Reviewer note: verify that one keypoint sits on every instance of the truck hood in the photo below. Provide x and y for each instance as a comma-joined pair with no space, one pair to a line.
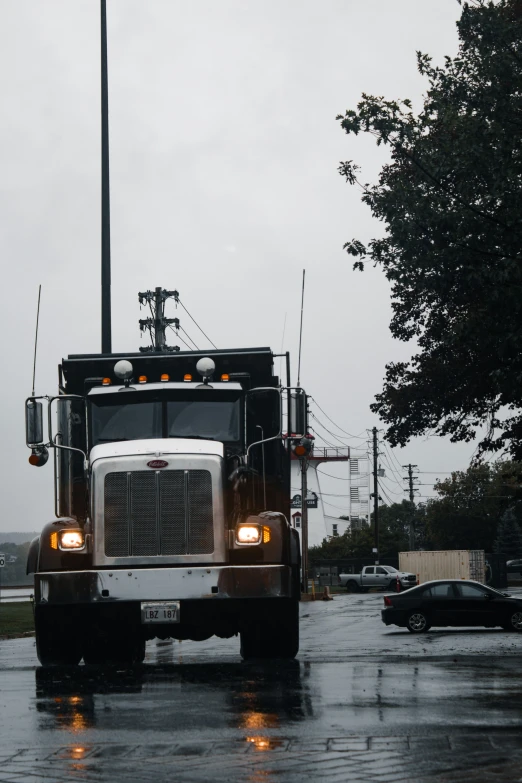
156,447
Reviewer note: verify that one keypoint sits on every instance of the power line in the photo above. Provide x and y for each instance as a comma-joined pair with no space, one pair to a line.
178,300
356,437
328,431
189,337
180,338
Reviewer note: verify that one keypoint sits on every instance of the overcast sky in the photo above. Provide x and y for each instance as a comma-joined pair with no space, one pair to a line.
224,185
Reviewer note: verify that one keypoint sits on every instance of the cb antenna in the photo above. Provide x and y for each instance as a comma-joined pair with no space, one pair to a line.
36,335
301,333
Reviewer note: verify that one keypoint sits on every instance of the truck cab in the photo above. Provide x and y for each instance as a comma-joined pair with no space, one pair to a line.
172,494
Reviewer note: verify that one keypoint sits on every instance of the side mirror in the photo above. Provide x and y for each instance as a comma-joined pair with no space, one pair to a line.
33,423
297,424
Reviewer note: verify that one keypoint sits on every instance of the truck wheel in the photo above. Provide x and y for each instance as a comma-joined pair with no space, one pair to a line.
417,622
352,586
57,642
272,631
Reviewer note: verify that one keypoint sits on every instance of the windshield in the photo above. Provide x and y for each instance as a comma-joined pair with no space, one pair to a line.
126,422
112,420
391,569
216,420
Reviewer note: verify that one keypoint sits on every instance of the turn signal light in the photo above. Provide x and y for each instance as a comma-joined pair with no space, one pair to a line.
71,539
225,376
266,534
300,450
142,379
165,377
187,377
53,540
106,382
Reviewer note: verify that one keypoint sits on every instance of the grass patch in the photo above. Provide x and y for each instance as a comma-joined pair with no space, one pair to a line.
16,618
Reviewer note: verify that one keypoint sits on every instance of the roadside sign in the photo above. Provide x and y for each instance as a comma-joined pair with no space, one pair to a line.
2,560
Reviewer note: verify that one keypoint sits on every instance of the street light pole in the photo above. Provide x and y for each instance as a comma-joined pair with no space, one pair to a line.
263,462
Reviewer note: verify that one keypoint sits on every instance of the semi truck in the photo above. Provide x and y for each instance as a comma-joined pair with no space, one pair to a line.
172,501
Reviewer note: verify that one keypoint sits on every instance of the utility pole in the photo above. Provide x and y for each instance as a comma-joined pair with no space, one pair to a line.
106,330
157,324
304,522
410,478
375,496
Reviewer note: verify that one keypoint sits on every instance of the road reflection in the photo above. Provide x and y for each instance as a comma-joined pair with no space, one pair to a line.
256,698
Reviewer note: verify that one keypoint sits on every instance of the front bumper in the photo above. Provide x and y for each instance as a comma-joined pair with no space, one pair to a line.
162,584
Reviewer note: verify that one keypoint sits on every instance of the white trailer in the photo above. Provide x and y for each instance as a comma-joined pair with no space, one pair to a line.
445,564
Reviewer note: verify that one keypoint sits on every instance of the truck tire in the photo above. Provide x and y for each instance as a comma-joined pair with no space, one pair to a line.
272,631
417,622
57,640
352,586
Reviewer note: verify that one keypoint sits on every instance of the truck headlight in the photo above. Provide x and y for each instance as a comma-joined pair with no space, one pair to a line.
71,539
248,533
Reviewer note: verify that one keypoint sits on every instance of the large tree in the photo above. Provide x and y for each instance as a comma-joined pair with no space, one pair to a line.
470,505
450,201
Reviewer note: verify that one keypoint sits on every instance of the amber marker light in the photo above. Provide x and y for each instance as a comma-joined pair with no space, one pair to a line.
187,377
165,377
266,534
248,534
142,379
299,450
72,539
53,540
225,376
106,382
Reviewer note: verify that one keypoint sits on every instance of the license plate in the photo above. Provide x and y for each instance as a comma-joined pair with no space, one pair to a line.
160,612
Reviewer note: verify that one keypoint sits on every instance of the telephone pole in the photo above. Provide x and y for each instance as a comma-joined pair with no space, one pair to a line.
157,324
375,495
106,338
410,478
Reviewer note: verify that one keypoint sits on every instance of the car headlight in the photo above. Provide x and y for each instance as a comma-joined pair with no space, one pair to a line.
71,539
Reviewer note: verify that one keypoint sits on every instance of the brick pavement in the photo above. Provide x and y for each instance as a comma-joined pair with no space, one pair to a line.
473,757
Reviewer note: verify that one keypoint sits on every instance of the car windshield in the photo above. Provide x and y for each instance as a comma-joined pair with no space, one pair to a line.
391,569
112,420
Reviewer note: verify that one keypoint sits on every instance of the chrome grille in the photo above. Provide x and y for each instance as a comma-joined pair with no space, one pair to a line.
150,513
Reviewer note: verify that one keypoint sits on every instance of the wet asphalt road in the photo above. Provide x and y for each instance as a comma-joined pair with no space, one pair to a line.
362,703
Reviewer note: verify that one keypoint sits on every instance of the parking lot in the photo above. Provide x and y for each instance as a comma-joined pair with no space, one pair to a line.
362,702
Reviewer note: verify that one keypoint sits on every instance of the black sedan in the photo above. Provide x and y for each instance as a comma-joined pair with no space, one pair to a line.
452,602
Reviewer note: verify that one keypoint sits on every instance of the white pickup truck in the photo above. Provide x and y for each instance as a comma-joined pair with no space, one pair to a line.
382,576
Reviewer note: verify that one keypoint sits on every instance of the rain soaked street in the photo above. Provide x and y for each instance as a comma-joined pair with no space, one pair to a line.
363,702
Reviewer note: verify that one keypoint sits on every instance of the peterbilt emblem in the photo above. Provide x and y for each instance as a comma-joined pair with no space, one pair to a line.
157,463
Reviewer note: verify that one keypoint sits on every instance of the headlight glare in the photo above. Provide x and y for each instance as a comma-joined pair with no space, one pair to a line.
248,534
71,539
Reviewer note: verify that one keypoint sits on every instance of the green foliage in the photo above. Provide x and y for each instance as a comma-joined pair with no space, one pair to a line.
16,618
450,202
509,535
357,543
470,505
394,524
